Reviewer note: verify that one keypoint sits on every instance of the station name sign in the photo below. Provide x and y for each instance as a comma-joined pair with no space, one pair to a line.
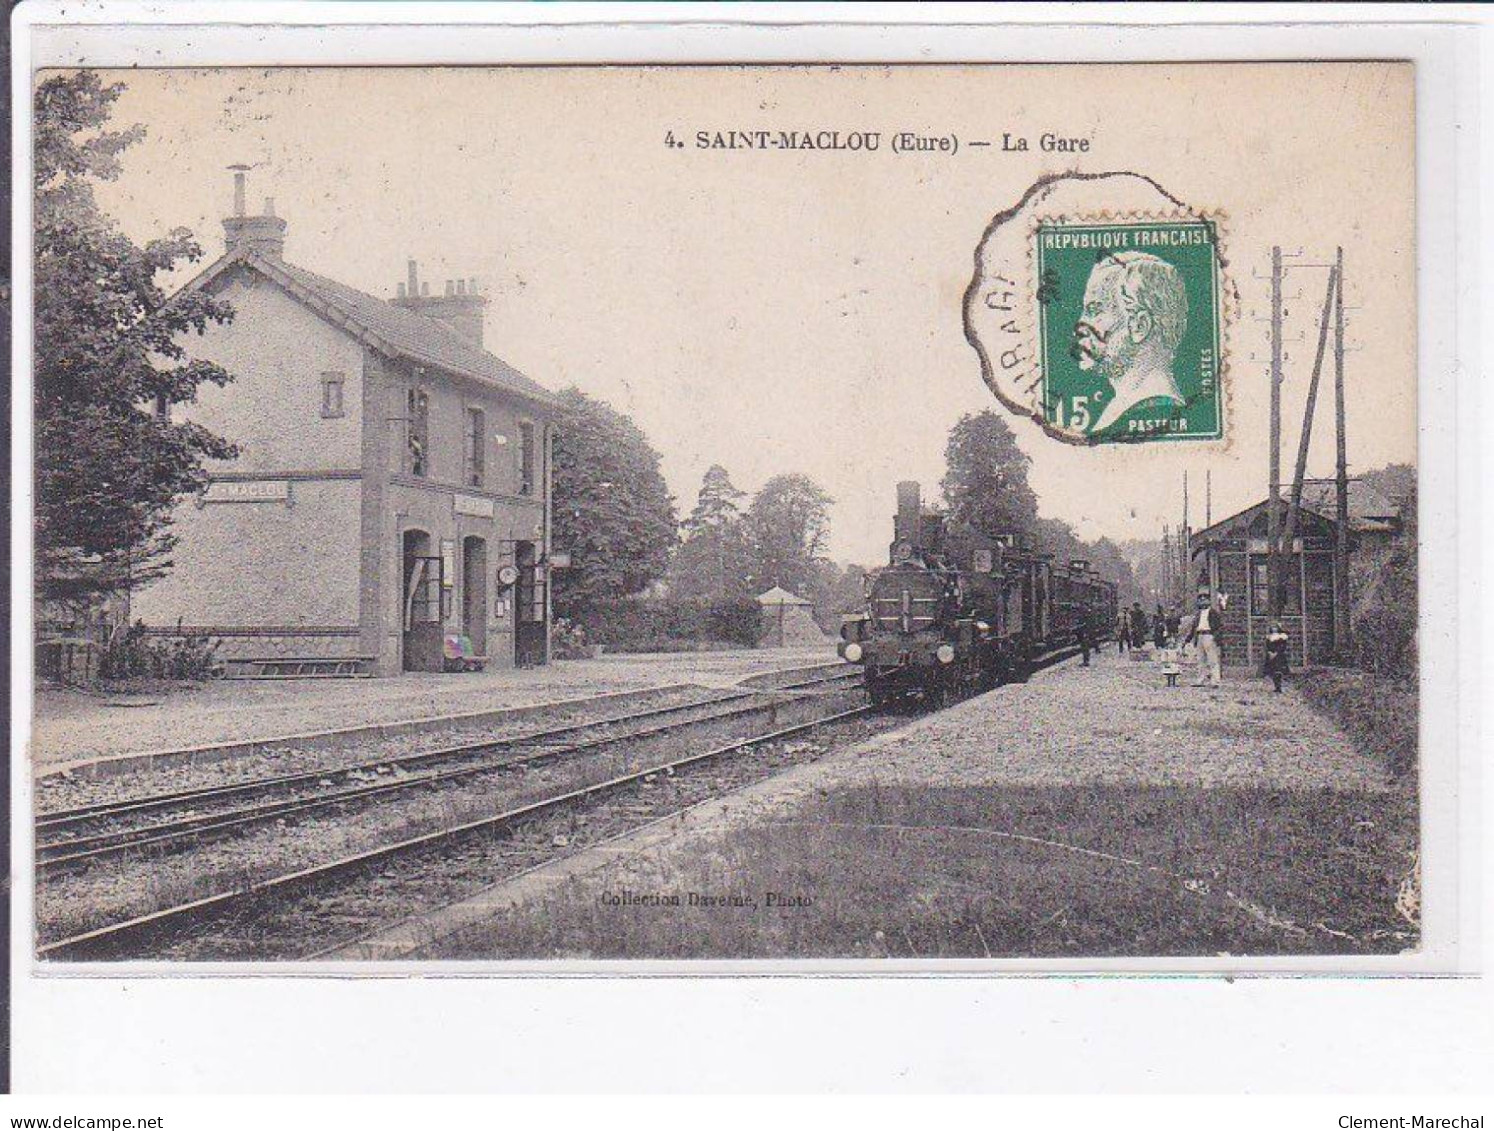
248,491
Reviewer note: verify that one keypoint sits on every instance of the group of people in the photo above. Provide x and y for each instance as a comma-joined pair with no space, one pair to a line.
1133,628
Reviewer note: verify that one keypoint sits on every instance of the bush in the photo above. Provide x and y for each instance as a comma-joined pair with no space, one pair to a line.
134,654
655,625
568,641
1383,584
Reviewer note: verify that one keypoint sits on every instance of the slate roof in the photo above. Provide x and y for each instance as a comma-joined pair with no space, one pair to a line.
389,328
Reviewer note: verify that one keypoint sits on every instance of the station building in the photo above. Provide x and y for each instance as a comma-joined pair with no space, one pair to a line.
392,491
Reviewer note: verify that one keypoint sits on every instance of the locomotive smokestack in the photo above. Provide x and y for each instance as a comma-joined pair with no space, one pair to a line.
909,508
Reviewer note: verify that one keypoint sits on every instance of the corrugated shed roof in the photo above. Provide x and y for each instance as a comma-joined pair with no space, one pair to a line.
417,337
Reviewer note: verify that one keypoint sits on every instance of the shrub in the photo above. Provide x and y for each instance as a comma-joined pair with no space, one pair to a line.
133,654
568,641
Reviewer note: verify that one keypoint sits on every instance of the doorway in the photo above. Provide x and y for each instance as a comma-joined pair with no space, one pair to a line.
420,604
475,593
529,608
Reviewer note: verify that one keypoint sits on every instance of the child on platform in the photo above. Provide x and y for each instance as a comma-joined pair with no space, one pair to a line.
1278,653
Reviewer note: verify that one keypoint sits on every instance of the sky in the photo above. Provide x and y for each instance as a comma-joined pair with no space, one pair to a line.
777,311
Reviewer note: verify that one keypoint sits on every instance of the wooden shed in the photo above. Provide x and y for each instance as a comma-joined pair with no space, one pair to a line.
1230,559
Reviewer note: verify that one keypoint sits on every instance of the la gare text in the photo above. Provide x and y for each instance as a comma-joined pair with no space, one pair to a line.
872,141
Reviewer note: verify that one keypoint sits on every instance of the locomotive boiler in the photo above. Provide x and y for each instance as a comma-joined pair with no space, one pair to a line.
958,611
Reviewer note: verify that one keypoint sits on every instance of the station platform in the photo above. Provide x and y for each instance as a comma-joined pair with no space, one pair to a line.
72,725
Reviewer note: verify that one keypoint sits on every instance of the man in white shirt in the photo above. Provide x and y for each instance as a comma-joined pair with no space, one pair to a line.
1206,630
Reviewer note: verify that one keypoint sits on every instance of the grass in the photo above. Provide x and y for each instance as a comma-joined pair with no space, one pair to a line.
1379,713
929,872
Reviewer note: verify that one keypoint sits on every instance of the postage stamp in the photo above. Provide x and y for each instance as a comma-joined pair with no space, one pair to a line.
1129,329
1101,309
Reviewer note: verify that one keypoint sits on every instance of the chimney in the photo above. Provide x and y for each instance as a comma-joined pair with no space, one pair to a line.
460,307
264,234
909,506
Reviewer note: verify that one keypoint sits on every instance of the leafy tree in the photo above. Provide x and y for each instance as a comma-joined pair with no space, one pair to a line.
985,480
713,561
788,526
110,464
612,510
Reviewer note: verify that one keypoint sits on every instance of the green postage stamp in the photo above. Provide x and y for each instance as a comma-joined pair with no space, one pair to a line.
1129,329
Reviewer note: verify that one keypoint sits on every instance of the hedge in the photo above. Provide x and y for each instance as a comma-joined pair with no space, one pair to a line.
661,625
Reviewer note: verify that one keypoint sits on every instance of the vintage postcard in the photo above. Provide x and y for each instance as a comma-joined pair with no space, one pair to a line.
896,517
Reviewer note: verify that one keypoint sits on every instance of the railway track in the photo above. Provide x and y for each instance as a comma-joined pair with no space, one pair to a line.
238,912
78,837
325,907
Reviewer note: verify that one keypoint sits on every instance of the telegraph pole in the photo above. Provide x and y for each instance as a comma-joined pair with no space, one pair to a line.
1343,624
1166,582
1184,546
1294,510
1273,506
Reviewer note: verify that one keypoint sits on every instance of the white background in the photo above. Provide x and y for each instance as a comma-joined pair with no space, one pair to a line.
396,1033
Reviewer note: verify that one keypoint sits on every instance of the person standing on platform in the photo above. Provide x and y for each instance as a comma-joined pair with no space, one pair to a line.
1086,637
1123,631
1207,629
1138,625
1159,629
1278,653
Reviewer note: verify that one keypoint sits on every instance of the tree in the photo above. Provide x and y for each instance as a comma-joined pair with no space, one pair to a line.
713,561
716,504
110,464
612,509
985,480
1111,564
788,527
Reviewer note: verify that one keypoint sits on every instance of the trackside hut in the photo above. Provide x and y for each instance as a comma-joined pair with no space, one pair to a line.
1230,558
393,483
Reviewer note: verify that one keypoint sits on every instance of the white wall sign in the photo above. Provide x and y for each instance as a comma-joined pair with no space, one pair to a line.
473,505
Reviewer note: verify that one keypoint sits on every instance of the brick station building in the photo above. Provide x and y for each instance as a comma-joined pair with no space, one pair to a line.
1230,558
393,482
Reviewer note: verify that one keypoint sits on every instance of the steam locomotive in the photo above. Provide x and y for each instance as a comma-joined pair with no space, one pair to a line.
957,611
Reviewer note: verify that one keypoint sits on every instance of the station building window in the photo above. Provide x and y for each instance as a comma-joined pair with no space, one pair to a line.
417,431
332,387
526,458
473,453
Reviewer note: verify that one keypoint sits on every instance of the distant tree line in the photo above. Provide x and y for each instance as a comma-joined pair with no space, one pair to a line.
615,515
